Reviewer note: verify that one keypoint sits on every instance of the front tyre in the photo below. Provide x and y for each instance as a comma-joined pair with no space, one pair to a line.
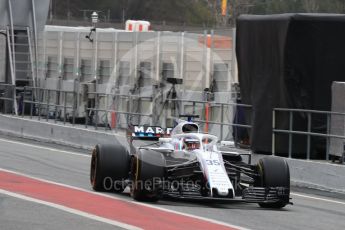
274,172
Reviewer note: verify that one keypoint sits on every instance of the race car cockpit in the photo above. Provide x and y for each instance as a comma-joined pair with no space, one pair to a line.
191,144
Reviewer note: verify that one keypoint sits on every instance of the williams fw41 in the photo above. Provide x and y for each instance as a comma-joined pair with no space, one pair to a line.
187,164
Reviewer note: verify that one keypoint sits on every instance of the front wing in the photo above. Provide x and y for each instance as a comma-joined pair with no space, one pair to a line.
250,195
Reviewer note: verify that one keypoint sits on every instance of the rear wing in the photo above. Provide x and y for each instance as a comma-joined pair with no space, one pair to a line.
144,132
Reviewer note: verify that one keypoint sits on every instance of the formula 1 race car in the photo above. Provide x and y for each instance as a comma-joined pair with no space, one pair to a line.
188,164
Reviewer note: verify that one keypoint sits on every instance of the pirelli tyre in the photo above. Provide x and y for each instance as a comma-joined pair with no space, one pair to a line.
109,168
147,169
274,172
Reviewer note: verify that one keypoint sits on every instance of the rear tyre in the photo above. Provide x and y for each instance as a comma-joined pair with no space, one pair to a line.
147,169
109,168
274,172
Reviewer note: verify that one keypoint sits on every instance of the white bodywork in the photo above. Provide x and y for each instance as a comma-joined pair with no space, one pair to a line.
207,153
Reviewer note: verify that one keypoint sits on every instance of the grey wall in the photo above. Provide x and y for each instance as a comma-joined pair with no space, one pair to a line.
54,133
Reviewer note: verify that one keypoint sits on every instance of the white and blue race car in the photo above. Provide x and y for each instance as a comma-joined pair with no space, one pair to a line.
188,164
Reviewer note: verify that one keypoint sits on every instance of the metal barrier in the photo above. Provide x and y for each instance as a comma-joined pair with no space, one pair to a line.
194,103
43,103
97,109
307,133
52,104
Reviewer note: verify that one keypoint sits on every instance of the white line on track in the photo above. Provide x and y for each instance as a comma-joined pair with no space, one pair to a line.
45,148
125,200
70,210
318,198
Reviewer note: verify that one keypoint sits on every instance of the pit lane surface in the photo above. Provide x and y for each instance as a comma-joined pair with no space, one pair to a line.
71,167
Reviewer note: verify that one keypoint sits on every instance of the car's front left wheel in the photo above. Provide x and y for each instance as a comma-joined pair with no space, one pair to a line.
274,173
